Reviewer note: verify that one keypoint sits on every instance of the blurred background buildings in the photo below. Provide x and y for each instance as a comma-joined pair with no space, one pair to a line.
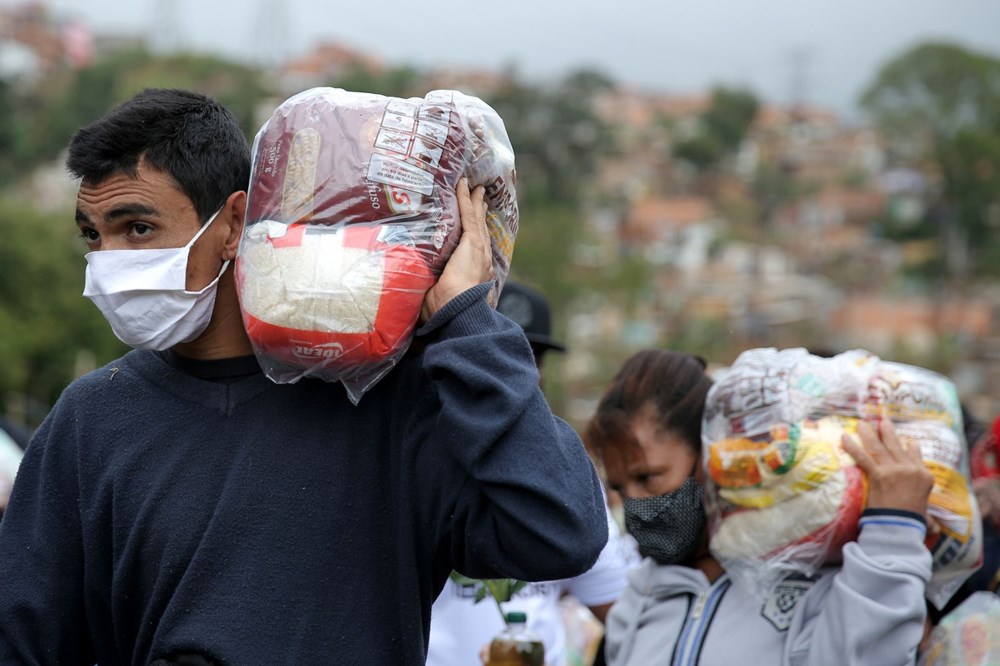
711,222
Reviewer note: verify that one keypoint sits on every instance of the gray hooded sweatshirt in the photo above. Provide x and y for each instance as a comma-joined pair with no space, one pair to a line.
867,612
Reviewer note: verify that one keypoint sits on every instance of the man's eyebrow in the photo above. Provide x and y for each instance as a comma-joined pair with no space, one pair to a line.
125,210
128,210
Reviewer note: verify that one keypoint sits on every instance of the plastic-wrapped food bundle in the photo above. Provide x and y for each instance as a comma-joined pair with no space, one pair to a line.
783,497
351,217
968,635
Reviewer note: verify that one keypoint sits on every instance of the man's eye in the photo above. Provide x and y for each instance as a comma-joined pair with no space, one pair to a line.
90,235
141,229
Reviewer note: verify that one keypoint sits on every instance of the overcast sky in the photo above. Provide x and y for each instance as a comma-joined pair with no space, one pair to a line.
825,52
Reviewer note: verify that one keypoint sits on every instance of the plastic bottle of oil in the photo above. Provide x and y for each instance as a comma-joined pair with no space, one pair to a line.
516,645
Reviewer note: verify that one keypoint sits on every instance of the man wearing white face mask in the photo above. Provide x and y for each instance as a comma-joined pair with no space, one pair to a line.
178,507
147,301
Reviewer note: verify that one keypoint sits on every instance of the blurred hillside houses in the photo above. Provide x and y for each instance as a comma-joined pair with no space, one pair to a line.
788,229
785,248
34,43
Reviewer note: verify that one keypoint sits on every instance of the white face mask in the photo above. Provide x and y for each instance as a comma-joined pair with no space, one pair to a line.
142,294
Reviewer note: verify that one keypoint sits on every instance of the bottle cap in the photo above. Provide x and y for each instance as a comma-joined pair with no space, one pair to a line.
518,617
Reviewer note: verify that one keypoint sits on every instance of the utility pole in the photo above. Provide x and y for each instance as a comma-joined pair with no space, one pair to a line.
270,39
165,32
799,61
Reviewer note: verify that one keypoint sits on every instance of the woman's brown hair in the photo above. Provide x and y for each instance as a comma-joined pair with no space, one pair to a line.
668,385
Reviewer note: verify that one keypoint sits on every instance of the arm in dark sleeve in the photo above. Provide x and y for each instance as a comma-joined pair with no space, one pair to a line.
42,617
532,507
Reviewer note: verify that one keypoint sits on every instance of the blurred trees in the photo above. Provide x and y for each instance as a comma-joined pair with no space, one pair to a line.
557,134
933,91
9,142
938,105
394,82
47,114
48,328
721,128
559,140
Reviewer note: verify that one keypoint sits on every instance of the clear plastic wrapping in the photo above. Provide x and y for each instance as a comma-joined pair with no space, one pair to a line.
783,497
968,635
351,217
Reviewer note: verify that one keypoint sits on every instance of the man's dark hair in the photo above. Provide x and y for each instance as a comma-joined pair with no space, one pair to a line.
190,137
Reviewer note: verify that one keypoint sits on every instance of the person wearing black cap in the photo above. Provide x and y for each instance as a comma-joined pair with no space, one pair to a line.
460,627
526,307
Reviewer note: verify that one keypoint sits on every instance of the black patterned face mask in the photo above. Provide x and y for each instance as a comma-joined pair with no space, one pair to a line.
668,527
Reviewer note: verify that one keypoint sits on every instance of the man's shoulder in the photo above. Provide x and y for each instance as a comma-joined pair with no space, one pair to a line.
123,369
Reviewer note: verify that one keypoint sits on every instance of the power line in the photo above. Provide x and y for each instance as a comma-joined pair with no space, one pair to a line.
270,39
165,32
800,62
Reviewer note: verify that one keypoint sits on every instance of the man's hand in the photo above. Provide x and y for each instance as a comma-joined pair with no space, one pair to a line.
897,477
472,261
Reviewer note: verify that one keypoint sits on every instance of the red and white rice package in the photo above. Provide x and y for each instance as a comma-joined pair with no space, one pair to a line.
351,217
782,495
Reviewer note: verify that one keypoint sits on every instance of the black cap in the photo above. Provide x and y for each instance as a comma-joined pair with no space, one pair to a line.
528,308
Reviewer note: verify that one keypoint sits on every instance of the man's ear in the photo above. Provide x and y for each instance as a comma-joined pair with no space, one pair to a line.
233,213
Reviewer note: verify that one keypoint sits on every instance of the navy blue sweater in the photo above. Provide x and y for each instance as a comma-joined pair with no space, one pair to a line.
158,514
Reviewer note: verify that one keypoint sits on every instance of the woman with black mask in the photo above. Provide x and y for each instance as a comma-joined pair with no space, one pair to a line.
680,606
